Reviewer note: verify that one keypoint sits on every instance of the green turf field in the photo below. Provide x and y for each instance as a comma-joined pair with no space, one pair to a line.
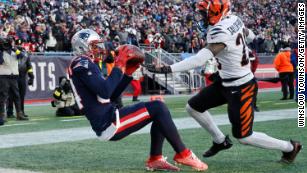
128,155
42,117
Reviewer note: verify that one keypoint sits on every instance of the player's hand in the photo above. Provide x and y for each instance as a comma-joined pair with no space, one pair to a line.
30,81
162,70
128,56
131,69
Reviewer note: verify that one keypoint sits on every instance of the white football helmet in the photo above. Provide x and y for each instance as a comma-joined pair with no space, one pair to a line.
87,42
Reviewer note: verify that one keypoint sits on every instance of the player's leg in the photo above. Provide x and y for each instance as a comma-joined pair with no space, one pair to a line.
197,107
137,116
241,115
132,119
162,117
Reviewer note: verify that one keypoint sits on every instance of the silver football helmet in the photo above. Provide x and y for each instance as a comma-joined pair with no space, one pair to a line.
87,42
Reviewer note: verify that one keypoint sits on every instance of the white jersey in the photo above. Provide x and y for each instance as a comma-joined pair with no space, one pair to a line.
233,61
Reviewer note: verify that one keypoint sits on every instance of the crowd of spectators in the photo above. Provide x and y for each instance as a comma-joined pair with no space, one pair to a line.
48,25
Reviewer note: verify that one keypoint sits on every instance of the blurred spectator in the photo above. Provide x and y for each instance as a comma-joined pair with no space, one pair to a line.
64,99
284,67
25,77
54,22
9,79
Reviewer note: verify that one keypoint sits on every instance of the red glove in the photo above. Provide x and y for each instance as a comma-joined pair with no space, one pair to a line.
131,69
129,58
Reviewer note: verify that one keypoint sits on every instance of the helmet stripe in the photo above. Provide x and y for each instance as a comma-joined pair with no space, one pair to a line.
211,2
222,6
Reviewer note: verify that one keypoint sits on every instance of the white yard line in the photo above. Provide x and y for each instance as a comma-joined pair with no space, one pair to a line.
77,134
20,124
70,120
5,170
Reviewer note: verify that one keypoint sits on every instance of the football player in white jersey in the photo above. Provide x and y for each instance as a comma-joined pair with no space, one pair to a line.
227,40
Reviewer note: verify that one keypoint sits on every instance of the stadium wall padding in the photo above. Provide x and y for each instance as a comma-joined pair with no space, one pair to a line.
48,69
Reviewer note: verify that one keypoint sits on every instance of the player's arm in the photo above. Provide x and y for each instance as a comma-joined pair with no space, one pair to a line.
192,62
249,35
125,81
96,83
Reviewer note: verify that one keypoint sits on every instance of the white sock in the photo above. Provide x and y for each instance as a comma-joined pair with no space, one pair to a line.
262,140
206,121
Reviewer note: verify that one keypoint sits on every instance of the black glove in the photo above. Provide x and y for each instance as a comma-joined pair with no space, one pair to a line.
30,81
154,69
31,78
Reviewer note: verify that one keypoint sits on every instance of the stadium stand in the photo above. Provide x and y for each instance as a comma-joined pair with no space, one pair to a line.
48,25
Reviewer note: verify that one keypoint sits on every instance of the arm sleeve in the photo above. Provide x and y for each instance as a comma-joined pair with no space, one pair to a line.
96,83
251,36
197,60
121,87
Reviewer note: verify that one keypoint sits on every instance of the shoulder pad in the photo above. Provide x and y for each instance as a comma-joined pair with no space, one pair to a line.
217,34
80,62
216,30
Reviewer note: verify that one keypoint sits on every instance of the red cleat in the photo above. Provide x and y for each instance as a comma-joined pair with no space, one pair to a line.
191,160
160,165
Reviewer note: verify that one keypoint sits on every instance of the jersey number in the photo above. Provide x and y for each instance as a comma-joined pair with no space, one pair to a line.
241,40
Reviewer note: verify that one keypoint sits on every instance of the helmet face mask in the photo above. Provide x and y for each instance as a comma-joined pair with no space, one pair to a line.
97,49
88,42
211,11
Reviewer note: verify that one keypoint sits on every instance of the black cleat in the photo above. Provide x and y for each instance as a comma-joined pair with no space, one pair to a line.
215,148
290,156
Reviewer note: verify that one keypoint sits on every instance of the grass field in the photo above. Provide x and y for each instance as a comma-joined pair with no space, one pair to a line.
42,117
128,155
